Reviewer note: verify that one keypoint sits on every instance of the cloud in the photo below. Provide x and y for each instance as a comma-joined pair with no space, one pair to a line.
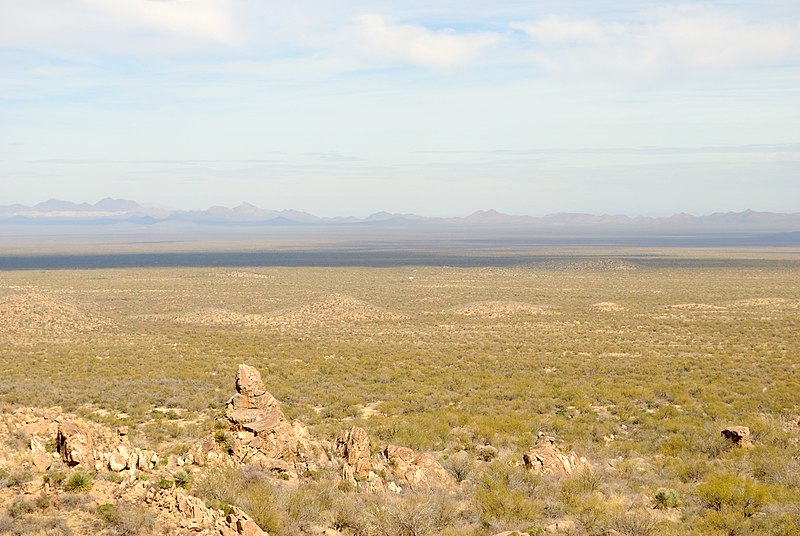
662,42
203,19
557,30
148,27
420,45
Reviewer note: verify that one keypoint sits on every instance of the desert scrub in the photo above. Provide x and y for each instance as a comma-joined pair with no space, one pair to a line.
499,495
727,492
664,499
183,479
56,475
460,465
413,515
251,490
78,482
20,506
127,519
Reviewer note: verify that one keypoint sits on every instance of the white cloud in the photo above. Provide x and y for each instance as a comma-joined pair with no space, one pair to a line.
556,30
160,27
662,42
203,19
420,45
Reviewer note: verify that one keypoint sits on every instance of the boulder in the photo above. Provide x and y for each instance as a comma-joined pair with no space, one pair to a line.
74,444
562,526
738,435
261,432
547,458
353,446
419,471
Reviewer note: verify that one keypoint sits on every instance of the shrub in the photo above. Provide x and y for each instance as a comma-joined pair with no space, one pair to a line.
499,498
126,519
487,453
223,439
78,482
727,491
665,498
165,483
460,465
55,476
43,502
19,477
634,524
183,479
20,506
249,489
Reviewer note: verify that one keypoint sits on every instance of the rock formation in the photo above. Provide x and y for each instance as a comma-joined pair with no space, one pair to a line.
547,458
195,516
353,446
74,443
417,471
261,432
738,435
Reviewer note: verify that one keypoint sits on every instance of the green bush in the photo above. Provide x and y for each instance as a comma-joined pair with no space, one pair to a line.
665,498
730,492
183,479
78,482
499,496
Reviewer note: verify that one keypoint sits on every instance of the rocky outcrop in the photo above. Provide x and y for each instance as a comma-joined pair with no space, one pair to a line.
417,471
261,432
396,468
353,447
738,435
195,516
547,458
75,445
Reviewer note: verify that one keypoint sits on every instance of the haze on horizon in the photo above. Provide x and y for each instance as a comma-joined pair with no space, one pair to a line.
610,106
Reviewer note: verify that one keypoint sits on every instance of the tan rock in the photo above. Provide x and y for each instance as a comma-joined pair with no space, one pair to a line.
353,446
561,526
38,444
74,443
249,528
258,422
738,435
117,462
418,471
395,454
547,458
42,461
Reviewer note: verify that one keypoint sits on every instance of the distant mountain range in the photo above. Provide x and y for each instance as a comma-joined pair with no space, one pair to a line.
113,211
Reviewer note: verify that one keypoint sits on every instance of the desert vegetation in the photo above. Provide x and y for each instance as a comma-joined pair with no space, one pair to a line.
633,364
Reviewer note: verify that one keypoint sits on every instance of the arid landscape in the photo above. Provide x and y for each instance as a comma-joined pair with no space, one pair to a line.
399,268
584,393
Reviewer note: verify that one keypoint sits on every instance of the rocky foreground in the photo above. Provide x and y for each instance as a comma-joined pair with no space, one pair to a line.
51,461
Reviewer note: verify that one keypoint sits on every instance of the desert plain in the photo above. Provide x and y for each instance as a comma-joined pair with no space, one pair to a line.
411,398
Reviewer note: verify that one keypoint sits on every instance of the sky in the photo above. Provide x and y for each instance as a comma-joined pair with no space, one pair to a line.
433,107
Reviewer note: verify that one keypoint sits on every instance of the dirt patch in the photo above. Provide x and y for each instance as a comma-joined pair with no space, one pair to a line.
496,309
335,309
695,307
38,314
608,307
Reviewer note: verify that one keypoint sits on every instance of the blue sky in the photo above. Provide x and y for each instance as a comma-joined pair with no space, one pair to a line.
436,107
